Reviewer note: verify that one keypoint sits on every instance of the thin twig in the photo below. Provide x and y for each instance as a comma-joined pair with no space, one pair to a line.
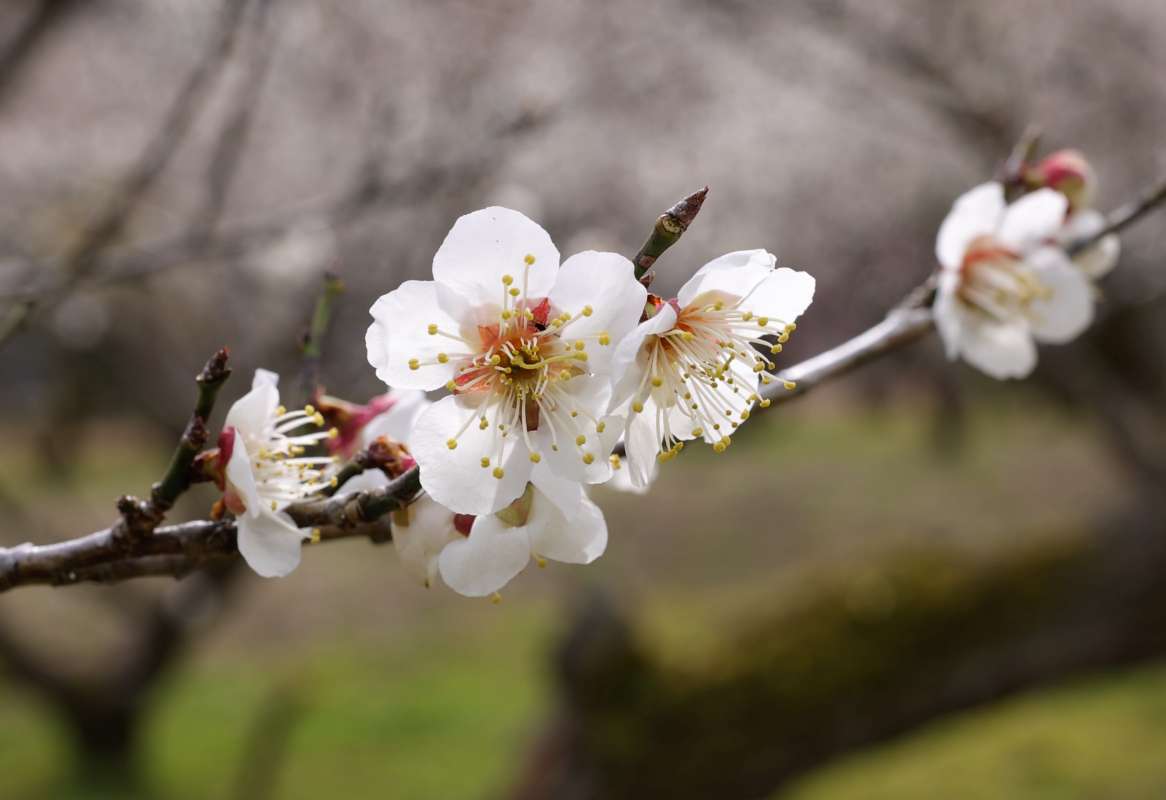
1125,216
312,342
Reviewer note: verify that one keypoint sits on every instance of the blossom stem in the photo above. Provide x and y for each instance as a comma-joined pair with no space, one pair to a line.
1125,216
670,226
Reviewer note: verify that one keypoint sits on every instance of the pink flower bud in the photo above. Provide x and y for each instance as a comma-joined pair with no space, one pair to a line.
1067,172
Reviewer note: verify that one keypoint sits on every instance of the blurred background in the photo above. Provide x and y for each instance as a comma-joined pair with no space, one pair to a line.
913,581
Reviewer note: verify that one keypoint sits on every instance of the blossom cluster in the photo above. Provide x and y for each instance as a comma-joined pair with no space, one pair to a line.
548,371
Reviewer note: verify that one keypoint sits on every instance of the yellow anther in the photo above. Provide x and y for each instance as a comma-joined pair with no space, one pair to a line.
535,458
432,329
529,259
758,367
748,315
495,360
451,444
451,385
588,458
574,414
495,598
414,364
763,321
790,385
775,349
638,407
318,419
580,440
273,505
791,327
333,433
587,311
507,314
600,427
745,414
442,358
315,536
657,382
581,356
334,482
688,336
604,339
719,305
485,462
514,291
483,423
579,345
542,562
279,412
765,403
309,409
615,462
698,431
507,280
783,338
498,473
688,395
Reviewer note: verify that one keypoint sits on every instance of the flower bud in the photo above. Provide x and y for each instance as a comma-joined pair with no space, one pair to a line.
1067,172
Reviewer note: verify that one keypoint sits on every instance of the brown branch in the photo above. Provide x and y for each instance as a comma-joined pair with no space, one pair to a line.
1125,216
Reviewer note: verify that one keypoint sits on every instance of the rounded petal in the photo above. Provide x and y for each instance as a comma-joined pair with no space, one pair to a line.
400,335
269,543
251,413
621,478
562,492
485,245
783,295
242,478
643,445
396,423
977,212
574,536
455,478
487,559
1068,309
365,481
604,283
948,316
1102,257
630,360
734,273
420,533
999,349
1033,220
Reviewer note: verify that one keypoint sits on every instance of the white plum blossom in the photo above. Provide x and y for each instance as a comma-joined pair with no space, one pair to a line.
524,346
477,556
1003,285
266,469
692,369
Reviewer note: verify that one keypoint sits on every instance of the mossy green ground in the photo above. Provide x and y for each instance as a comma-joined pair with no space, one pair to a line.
405,693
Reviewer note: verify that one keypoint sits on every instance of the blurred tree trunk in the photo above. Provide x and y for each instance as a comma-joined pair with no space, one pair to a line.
860,656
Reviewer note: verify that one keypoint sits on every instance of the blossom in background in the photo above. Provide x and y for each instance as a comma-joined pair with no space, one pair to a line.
692,369
1068,172
524,347
1003,284
477,556
262,447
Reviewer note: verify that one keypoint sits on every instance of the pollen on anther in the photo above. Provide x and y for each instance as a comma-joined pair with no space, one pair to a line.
783,338
485,462
765,403
315,536
529,259
535,458
451,385
587,311
600,427
483,423
414,364
442,358
451,444
279,412
499,473
775,348
579,345
604,339
588,458
333,433
790,385
542,562
580,440
507,280
432,329
763,321
309,409
495,598
614,460
638,407
657,382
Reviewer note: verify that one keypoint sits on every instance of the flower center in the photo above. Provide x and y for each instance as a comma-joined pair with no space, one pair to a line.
997,281
699,372
518,369
283,473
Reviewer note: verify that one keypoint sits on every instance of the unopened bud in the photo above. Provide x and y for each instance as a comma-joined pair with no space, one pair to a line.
1068,172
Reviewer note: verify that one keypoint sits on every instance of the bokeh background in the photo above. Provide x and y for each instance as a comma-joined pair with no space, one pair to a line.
912,581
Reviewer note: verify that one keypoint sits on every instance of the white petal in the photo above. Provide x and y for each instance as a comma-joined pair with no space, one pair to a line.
1102,257
420,542
400,333
999,349
485,245
589,396
577,537
242,479
250,414
487,559
1033,220
269,543
621,479
562,492
784,295
733,273
396,423
948,316
976,213
643,445
606,282
365,481
455,478
630,361
1069,309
